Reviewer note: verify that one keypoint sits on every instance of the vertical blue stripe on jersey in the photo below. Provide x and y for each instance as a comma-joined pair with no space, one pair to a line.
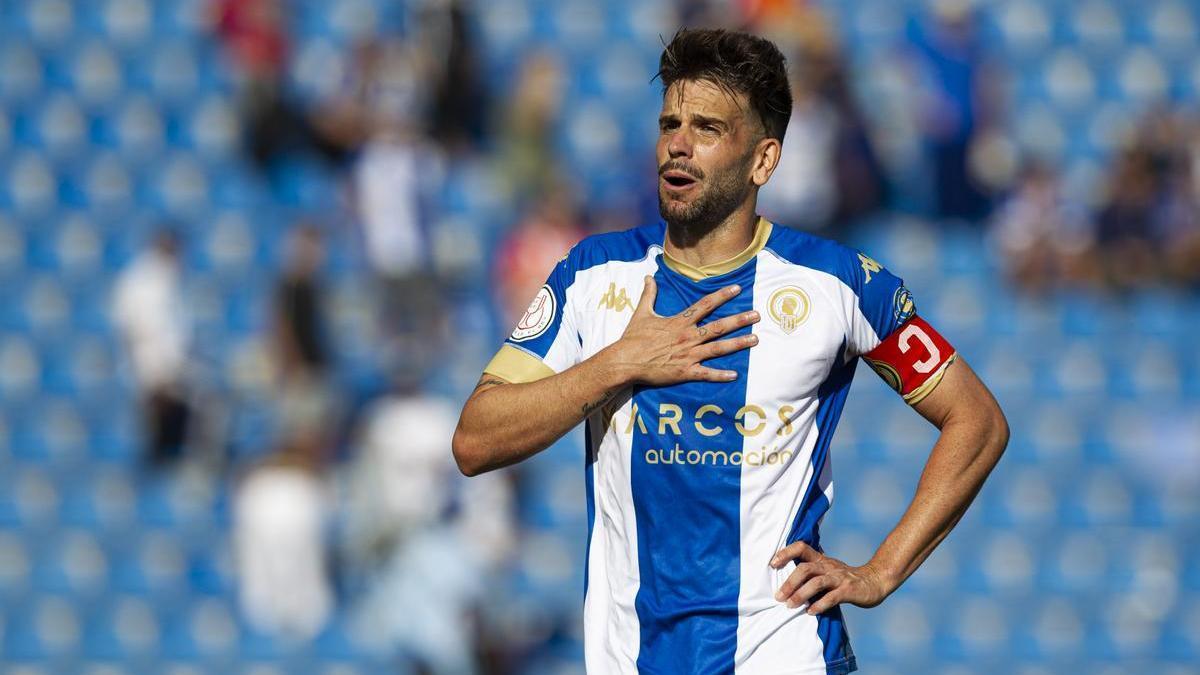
688,520
831,397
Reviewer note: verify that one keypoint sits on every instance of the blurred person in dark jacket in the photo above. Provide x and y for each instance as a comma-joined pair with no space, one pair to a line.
305,399
254,33
1124,229
1148,223
960,109
282,505
459,105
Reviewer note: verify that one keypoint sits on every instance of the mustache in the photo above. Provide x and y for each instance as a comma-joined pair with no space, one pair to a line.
679,165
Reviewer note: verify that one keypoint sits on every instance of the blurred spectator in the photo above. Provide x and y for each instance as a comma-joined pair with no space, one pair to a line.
528,253
280,512
282,506
1148,225
395,176
829,174
1124,222
422,550
960,108
385,95
149,312
392,181
299,306
1180,228
306,401
527,156
1045,240
255,35
1171,141
459,109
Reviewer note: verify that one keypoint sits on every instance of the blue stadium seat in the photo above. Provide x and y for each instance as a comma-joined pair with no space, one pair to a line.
21,73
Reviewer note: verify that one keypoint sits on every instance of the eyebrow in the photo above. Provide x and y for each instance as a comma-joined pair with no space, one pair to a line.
697,119
715,121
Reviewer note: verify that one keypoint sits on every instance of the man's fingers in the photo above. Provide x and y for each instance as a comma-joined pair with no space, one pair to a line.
798,577
712,350
646,302
705,306
795,551
826,603
703,374
811,589
727,325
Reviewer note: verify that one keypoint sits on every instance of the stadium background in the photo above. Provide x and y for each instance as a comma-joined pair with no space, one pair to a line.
121,117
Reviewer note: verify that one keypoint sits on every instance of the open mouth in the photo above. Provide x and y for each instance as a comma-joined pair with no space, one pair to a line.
678,179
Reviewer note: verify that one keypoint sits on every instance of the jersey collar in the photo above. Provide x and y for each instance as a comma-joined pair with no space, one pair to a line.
762,232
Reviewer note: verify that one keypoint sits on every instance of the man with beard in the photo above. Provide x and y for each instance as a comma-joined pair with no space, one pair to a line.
710,402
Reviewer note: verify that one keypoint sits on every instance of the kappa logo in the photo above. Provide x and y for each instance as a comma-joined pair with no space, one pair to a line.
789,307
869,266
538,316
615,299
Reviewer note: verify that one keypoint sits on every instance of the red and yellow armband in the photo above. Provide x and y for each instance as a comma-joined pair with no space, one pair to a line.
912,359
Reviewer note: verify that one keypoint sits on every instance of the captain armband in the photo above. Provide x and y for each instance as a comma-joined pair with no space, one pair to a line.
912,359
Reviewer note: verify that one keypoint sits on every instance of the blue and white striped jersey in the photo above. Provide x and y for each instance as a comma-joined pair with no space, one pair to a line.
692,488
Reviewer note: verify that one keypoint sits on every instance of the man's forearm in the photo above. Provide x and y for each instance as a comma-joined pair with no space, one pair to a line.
502,425
964,455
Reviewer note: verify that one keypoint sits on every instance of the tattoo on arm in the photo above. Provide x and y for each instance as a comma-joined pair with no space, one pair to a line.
588,408
489,381
687,313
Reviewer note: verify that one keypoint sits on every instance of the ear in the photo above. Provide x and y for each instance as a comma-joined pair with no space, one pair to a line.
766,158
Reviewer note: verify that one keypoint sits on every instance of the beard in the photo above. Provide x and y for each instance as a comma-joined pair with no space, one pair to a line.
720,196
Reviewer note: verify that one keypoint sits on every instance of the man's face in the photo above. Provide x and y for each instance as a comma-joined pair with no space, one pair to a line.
705,149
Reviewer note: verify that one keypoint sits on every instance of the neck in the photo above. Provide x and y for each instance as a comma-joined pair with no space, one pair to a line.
725,240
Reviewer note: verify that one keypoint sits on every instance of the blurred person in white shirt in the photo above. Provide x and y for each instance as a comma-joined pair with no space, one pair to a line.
150,315
281,510
421,548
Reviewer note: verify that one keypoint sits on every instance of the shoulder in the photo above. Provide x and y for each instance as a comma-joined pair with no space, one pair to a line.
624,246
848,265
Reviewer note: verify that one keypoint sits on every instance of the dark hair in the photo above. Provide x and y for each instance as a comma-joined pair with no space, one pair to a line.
736,62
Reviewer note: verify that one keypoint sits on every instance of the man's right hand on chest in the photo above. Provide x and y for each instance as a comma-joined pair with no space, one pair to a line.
662,350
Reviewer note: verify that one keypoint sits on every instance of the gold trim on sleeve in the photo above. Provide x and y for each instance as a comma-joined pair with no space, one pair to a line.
762,232
917,395
517,366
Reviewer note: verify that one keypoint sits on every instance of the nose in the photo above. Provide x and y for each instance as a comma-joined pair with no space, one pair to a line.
680,144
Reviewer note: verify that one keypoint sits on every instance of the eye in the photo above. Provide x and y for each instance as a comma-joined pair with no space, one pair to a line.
668,125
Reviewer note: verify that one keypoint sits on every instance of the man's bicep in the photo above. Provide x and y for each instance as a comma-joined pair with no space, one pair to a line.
959,392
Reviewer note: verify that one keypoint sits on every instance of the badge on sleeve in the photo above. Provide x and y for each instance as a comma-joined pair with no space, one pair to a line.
537,317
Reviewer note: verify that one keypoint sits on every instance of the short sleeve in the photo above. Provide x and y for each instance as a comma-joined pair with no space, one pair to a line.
883,304
545,340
